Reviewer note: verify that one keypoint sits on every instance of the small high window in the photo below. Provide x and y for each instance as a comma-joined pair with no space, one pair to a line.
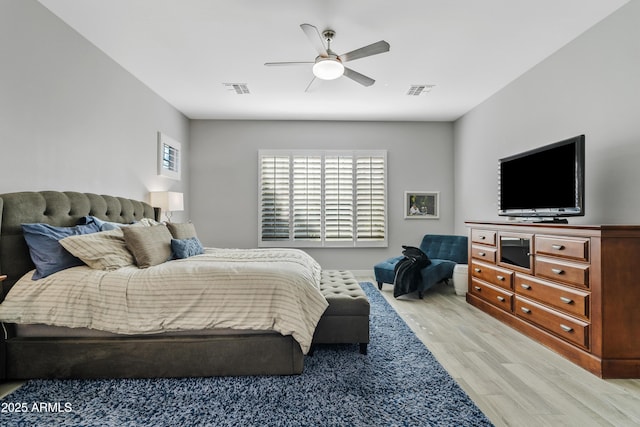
168,157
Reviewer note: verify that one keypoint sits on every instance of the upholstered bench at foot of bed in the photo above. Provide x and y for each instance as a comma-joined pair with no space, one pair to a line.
346,320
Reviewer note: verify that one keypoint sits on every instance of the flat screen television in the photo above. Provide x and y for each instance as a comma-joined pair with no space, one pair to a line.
545,183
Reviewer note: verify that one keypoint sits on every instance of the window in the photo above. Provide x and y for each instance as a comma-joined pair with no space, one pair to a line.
168,157
322,198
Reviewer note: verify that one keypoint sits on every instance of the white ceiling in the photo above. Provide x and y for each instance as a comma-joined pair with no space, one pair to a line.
185,50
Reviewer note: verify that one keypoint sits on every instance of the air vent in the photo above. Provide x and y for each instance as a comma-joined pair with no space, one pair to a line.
238,88
416,90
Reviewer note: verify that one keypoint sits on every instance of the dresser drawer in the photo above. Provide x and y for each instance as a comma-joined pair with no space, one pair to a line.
492,274
493,295
570,301
568,328
484,253
572,248
486,237
572,274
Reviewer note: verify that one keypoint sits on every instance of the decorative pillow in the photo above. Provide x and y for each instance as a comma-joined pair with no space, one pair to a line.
148,222
103,225
149,245
185,248
182,230
46,252
106,250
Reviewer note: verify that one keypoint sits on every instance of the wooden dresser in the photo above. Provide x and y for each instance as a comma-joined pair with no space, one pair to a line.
574,289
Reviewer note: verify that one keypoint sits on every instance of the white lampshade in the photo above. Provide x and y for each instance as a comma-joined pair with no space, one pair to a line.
328,69
167,201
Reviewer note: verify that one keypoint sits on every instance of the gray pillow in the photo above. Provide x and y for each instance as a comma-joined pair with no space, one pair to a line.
182,231
149,245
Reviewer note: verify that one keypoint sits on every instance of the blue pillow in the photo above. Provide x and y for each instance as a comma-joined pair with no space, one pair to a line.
184,248
103,225
46,253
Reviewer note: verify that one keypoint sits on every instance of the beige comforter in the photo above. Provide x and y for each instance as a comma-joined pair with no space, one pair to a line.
258,289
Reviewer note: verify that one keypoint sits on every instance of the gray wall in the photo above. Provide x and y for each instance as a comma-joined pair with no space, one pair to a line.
591,87
224,177
71,118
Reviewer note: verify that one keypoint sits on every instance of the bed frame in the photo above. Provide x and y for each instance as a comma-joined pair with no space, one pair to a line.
118,356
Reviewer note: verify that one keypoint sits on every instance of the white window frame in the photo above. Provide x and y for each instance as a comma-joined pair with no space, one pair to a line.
288,211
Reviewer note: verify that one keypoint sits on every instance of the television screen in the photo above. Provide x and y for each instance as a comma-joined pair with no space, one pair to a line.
545,182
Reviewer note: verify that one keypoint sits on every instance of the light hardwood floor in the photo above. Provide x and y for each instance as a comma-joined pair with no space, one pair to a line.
514,380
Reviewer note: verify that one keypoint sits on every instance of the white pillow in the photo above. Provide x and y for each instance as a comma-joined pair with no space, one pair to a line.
148,222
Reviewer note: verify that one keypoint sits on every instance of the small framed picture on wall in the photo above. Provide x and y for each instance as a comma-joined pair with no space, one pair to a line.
421,204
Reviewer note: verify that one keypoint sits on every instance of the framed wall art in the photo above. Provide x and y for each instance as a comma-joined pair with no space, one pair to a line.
421,204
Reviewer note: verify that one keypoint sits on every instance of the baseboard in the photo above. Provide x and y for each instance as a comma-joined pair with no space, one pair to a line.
358,273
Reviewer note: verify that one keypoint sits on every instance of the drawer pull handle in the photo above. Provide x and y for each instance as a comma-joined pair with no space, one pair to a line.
482,254
501,278
477,270
557,270
501,299
566,328
483,237
558,247
478,288
566,300
525,310
525,286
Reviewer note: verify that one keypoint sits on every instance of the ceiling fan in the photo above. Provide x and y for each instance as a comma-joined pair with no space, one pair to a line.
328,65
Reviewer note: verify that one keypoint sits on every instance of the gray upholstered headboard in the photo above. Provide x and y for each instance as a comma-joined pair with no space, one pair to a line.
62,209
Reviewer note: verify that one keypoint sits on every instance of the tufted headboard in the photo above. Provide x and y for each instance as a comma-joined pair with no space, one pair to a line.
62,209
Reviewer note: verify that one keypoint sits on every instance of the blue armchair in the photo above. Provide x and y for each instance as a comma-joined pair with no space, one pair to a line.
443,251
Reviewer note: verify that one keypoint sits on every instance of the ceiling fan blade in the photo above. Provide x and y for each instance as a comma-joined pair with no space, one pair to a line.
278,64
357,77
373,49
315,38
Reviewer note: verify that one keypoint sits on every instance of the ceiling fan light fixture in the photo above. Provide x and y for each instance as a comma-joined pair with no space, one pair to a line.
328,68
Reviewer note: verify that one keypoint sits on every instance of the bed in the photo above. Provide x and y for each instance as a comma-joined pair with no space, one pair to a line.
164,343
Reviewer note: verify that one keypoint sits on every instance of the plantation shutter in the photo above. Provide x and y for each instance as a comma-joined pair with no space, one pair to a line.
370,196
170,157
307,197
274,198
317,198
338,202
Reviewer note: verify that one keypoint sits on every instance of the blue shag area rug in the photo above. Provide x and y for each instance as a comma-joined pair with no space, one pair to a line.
399,383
